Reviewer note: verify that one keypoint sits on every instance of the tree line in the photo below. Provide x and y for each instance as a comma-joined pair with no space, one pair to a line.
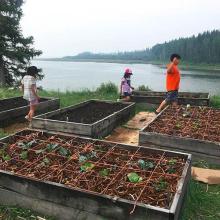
203,48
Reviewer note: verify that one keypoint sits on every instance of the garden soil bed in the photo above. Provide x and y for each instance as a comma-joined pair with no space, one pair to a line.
92,118
102,171
197,99
89,113
194,128
13,110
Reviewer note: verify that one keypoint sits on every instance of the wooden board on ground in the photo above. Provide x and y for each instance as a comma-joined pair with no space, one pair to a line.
140,120
124,135
129,133
16,127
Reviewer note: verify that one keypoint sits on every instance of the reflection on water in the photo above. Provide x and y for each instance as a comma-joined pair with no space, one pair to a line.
79,75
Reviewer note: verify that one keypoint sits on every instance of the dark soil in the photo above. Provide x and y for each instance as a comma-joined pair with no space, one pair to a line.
90,112
201,123
12,103
110,166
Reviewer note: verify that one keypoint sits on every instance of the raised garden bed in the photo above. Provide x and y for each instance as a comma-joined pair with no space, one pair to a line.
188,129
197,99
99,179
14,109
92,118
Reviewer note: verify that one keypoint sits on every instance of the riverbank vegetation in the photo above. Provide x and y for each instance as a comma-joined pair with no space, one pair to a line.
197,52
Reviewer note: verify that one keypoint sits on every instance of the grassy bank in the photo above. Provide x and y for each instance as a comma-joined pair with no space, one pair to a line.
202,202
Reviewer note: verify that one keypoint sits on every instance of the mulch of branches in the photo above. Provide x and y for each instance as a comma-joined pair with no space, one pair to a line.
201,123
105,168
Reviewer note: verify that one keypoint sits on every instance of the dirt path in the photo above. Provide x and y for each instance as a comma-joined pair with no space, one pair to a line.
128,134
15,127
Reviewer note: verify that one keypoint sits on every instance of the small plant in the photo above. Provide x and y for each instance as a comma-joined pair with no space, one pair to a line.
82,159
64,152
178,125
145,164
104,172
160,185
51,147
134,178
87,166
172,162
24,155
25,145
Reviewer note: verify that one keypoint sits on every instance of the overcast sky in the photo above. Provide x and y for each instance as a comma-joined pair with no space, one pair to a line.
68,27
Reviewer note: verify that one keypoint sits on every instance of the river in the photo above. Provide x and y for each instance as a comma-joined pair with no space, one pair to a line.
79,75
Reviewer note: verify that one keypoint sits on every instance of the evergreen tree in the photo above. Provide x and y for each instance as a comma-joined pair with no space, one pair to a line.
16,51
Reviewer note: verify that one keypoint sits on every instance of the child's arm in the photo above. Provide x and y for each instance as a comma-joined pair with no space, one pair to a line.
170,66
121,87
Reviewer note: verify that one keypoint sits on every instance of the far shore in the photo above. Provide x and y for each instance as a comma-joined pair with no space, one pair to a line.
184,66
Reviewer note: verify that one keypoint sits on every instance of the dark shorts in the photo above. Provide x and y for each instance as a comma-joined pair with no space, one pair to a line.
126,94
172,96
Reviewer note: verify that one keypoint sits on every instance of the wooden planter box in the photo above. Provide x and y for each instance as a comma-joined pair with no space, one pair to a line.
200,149
13,110
197,99
65,202
99,126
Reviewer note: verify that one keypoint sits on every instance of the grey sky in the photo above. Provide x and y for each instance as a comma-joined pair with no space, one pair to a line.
68,27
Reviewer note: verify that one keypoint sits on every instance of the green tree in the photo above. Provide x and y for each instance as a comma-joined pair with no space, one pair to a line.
16,51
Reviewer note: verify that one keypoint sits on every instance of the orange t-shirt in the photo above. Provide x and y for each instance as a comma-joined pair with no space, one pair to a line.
173,79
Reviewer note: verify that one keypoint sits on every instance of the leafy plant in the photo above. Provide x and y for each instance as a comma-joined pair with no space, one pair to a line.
64,152
178,125
87,166
160,185
46,161
6,157
134,178
51,147
82,159
24,155
104,172
172,161
145,164
25,145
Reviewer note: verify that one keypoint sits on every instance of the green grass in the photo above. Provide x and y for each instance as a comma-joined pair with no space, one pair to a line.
202,203
14,213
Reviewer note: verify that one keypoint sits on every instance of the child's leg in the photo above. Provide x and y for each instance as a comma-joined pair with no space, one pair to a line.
32,112
162,105
126,98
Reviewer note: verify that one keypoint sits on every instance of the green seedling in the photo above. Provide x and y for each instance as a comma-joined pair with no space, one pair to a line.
46,161
172,161
171,170
160,185
6,157
82,159
134,178
104,172
87,166
178,125
64,152
145,164
26,145
51,147
24,155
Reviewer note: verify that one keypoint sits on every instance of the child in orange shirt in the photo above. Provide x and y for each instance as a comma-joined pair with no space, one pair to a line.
172,83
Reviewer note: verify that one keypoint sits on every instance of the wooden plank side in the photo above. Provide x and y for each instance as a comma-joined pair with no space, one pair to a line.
60,126
177,143
79,201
